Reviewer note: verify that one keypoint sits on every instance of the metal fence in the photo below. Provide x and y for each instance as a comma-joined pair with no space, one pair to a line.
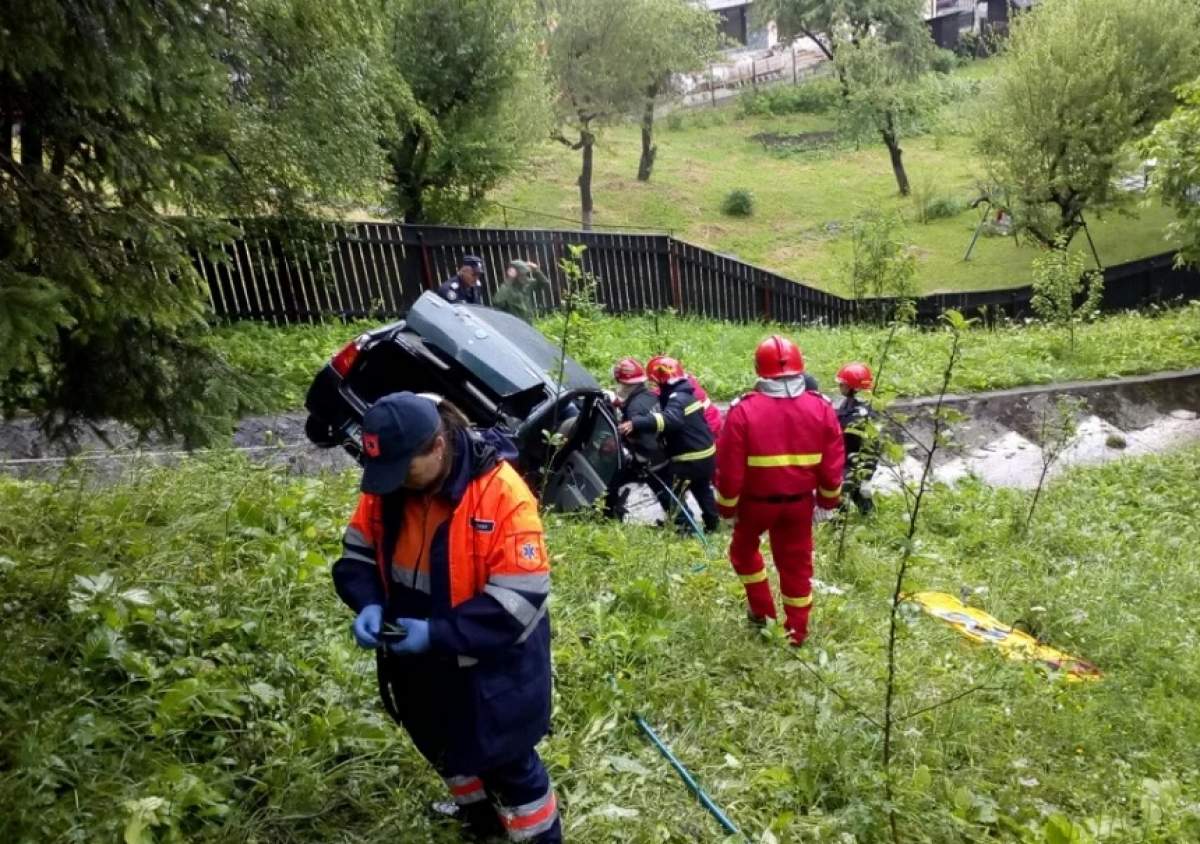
304,272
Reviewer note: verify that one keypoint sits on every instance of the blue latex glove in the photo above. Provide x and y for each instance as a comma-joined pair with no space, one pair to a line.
417,640
367,625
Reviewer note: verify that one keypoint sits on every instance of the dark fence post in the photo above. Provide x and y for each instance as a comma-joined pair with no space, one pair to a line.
426,266
676,288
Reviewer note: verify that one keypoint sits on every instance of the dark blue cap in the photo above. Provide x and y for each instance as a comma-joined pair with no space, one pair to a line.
396,429
474,262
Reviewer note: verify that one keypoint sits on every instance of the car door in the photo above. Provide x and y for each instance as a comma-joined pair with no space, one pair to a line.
588,463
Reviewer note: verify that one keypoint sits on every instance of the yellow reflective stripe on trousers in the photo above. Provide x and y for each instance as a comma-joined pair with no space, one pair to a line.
829,493
763,461
757,577
695,455
727,502
806,601
660,422
692,408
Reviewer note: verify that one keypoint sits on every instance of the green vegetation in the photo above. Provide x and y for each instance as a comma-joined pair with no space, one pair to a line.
1058,126
1175,145
809,185
284,360
177,668
738,203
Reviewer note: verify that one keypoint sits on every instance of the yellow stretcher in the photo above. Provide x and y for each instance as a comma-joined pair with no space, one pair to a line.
1015,644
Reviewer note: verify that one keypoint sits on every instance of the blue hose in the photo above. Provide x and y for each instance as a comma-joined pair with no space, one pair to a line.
701,795
683,509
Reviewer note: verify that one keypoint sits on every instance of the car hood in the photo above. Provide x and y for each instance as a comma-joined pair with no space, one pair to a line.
506,353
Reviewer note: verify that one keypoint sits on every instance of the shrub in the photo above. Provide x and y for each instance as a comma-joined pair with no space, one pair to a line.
674,121
739,202
943,61
813,97
929,205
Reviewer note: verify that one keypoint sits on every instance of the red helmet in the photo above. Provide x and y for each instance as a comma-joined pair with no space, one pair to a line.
778,357
663,369
856,376
628,371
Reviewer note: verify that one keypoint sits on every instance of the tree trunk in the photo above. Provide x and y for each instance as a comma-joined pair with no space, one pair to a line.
6,144
587,142
649,150
31,147
893,145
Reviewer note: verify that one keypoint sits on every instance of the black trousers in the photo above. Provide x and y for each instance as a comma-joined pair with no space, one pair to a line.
696,476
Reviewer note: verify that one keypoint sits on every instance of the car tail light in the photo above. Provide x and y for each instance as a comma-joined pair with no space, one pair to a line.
344,360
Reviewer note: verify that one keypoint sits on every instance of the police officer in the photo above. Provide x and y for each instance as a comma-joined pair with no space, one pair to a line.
633,399
862,452
779,457
688,442
445,565
463,288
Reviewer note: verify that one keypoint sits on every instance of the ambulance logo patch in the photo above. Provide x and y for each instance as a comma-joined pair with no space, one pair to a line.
371,444
529,551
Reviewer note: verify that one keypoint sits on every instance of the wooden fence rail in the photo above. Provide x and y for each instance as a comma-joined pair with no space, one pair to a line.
304,272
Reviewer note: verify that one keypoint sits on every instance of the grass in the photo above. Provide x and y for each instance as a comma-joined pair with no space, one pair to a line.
177,668
804,201
721,354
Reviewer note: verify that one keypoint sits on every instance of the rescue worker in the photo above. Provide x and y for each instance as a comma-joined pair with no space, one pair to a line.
446,545
464,287
633,398
687,441
862,455
780,455
712,413
522,280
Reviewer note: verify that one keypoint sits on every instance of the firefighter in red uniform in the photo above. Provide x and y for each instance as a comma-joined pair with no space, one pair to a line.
712,413
780,455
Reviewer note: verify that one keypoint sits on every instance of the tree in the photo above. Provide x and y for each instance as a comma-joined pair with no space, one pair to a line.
598,57
690,39
1065,107
880,48
475,72
1058,283
114,118
880,266
1175,145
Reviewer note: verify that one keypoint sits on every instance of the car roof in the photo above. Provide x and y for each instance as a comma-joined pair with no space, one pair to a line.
506,353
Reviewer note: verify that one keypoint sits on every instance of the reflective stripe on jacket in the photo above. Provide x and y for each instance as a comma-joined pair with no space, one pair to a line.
680,421
483,583
779,446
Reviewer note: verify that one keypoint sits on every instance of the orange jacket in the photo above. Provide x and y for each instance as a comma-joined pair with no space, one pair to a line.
779,446
473,561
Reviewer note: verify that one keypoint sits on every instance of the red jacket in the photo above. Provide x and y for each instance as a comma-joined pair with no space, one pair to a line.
712,413
781,444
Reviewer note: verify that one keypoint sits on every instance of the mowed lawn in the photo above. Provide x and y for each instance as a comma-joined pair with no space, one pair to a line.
804,202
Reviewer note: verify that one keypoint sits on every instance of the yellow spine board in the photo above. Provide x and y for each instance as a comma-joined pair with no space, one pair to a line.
980,627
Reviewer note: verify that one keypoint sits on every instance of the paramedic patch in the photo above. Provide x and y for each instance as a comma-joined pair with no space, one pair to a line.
529,551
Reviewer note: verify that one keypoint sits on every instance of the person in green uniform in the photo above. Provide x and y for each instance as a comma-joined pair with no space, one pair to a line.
522,280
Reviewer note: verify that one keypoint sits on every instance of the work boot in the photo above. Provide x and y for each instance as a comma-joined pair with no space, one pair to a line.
796,624
479,821
758,621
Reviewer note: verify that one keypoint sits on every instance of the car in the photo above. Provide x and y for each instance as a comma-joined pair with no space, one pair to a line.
501,371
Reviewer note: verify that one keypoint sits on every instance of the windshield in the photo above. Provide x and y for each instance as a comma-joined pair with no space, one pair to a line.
505,353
